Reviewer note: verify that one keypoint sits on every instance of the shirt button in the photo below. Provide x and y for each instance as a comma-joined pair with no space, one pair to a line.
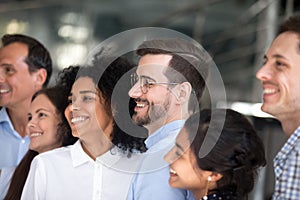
23,141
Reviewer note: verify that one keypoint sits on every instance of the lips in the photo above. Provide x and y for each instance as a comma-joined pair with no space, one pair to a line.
4,91
35,134
173,172
78,119
270,91
141,103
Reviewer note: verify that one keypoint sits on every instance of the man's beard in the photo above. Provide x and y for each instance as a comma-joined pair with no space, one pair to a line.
156,112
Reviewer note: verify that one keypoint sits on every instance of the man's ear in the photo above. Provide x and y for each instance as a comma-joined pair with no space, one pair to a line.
40,77
183,92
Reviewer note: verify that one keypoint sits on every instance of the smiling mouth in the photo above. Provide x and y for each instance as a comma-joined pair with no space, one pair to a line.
269,91
141,103
4,91
173,172
79,119
35,134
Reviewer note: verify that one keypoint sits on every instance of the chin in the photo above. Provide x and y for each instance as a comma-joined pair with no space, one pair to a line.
174,184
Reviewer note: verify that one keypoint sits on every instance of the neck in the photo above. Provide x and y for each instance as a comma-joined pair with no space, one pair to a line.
19,117
198,194
290,123
289,127
98,142
153,126
96,148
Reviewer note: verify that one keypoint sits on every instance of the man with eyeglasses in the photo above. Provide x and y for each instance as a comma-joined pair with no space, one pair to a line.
166,87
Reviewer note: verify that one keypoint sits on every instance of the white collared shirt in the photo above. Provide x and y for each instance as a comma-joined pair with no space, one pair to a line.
114,172
63,173
69,173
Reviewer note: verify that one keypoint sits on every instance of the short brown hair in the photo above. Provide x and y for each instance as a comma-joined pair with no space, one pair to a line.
189,59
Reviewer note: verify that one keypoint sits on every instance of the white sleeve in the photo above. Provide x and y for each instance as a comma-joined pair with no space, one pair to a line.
35,186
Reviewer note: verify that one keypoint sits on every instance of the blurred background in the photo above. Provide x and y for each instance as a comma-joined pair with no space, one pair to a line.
236,33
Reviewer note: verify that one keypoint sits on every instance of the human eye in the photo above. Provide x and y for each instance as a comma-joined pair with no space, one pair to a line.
29,117
70,100
9,70
87,98
42,114
264,61
177,153
279,64
134,78
148,83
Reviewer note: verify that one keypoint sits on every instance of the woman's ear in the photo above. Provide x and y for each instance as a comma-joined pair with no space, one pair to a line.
215,176
183,92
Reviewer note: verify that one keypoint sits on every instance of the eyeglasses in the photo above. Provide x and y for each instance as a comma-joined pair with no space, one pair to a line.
146,83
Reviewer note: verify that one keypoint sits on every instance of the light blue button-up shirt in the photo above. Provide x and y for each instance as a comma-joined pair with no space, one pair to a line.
152,180
12,146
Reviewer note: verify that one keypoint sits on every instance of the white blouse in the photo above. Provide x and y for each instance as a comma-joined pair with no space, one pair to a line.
69,173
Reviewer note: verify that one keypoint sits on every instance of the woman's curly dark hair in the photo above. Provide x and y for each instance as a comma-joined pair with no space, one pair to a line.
106,78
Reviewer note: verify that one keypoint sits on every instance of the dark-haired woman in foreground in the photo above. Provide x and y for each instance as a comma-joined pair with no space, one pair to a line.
96,166
227,171
47,120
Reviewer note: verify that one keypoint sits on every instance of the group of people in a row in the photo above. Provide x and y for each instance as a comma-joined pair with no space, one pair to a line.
109,130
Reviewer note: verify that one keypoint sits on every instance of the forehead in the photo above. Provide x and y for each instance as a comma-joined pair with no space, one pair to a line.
14,50
42,101
84,83
153,65
286,44
183,139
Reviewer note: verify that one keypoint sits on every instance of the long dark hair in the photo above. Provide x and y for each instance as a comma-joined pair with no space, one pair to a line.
237,153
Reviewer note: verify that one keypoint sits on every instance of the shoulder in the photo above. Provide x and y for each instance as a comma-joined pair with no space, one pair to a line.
55,154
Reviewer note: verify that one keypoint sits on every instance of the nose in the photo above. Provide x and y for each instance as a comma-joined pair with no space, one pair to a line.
74,106
135,91
31,123
264,73
2,75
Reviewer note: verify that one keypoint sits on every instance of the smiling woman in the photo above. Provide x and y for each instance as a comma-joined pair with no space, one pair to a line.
228,170
47,129
103,153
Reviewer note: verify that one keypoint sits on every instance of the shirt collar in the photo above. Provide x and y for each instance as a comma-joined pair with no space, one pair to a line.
289,145
163,132
5,118
78,155
110,157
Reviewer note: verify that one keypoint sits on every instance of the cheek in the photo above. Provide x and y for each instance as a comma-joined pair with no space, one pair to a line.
50,128
193,180
157,97
67,114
